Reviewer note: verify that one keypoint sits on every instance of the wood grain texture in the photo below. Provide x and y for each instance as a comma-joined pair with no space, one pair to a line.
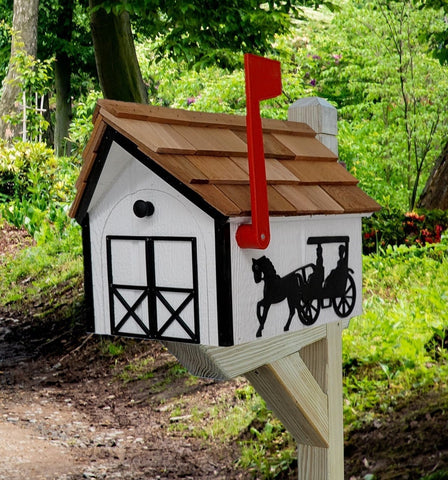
316,112
147,113
181,167
214,196
89,153
240,194
305,148
230,362
212,141
320,173
352,199
309,199
302,174
272,147
324,360
276,173
219,169
291,391
158,137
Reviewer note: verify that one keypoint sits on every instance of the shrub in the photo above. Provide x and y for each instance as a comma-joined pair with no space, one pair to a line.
35,187
391,226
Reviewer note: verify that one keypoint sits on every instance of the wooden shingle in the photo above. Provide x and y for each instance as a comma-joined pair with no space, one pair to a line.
276,172
305,148
207,153
212,141
320,173
219,169
310,199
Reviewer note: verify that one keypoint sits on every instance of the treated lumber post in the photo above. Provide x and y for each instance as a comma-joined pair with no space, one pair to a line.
321,116
324,359
304,390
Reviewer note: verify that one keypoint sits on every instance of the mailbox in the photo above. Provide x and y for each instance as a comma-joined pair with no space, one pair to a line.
161,196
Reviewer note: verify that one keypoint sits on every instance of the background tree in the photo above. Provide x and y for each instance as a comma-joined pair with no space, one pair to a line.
435,193
24,26
116,60
64,34
202,33
62,30
373,62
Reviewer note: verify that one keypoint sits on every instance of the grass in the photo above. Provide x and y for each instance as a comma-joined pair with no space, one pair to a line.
390,349
39,269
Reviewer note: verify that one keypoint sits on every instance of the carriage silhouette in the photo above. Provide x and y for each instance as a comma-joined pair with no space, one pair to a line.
306,289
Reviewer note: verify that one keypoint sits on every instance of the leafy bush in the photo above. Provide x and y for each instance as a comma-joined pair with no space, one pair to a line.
35,79
81,126
215,89
35,188
392,226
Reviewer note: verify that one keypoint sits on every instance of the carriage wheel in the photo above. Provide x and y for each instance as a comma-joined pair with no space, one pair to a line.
308,310
343,306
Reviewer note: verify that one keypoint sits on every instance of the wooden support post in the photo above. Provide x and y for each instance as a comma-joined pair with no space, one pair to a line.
321,116
305,391
317,463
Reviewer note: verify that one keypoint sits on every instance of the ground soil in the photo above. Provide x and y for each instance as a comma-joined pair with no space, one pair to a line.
65,414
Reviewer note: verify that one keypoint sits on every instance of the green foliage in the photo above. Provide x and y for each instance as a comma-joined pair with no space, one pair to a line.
5,45
62,32
112,347
442,475
39,269
36,188
81,126
372,60
269,451
208,33
390,349
214,89
139,369
34,77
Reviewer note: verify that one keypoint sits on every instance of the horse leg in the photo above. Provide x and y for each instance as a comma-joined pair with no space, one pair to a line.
292,309
261,317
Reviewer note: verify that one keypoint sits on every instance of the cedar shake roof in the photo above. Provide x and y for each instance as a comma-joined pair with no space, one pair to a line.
208,153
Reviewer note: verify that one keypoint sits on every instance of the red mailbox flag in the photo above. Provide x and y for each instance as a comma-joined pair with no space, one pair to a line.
263,81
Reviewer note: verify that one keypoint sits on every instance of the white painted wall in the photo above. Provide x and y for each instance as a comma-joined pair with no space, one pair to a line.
123,181
288,250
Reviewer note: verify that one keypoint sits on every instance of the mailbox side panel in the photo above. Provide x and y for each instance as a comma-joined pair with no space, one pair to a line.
152,276
310,274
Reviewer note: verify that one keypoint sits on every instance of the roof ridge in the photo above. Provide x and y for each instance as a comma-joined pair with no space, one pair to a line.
175,116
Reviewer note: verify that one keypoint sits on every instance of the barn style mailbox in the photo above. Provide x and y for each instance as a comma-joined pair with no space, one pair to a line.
161,196
234,240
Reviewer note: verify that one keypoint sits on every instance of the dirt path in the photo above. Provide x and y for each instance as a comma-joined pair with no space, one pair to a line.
65,414
72,419
24,455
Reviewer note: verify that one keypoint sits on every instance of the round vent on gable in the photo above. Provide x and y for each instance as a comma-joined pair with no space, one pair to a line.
143,209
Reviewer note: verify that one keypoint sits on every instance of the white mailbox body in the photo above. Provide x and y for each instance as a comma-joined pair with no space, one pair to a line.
175,272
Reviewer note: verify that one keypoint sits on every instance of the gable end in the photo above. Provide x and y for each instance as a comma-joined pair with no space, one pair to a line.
111,135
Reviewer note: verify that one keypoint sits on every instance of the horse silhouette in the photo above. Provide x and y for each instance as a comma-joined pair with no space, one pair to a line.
306,288
276,289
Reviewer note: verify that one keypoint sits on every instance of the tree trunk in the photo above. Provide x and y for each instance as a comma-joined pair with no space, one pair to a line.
116,60
62,72
435,193
24,26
